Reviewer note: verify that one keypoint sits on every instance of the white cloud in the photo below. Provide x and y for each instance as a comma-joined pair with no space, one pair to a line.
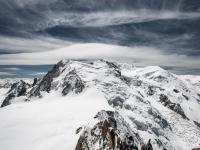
6,74
38,74
139,55
12,69
107,18
36,43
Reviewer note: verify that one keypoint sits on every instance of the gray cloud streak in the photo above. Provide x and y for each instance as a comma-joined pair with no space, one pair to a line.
139,55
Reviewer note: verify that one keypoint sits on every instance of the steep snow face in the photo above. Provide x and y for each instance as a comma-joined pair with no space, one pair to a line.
155,104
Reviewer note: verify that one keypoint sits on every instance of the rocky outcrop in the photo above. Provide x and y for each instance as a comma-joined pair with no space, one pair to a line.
17,89
110,132
148,146
197,124
151,90
173,106
5,85
72,82
35,81
45,83
158,118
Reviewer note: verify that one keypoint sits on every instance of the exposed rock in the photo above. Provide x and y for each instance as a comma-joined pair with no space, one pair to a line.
127,80
159,142
78,130
173,106
111,132
148,146
186,97
45,83
176,91
158,119
197,124
155,130
140,125
35,80
151,90
117,101
7,100
72,82
17,89
115,67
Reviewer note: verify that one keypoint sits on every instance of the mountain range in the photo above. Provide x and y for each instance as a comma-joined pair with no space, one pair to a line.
98,104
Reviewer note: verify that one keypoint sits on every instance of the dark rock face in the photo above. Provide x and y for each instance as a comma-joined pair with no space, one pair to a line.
173,106
115,67
116,101
158,119
176,91
7,100
197,124
72,82
140,125
17,89
186,97
127,80
35,80
148,146
45,84
111,132
151,90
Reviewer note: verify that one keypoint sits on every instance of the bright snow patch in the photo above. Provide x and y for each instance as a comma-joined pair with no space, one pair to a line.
49,123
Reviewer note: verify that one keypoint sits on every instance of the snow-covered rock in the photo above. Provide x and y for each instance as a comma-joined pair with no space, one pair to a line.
156,108
8,82
18,89
111,131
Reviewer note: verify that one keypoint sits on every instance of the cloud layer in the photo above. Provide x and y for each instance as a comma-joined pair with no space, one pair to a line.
138,55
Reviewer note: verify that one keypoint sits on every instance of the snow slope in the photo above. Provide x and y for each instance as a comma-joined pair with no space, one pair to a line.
3,94
49,123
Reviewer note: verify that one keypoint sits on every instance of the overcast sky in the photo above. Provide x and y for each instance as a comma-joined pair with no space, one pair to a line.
42,33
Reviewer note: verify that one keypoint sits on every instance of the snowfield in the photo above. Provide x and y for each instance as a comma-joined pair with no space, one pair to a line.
3,94
93,104
49,123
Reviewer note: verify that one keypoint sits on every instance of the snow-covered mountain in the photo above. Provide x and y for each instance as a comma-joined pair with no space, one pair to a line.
97,104
8,82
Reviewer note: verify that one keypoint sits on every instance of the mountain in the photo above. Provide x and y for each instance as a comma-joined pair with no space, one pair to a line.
97,104
8,82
